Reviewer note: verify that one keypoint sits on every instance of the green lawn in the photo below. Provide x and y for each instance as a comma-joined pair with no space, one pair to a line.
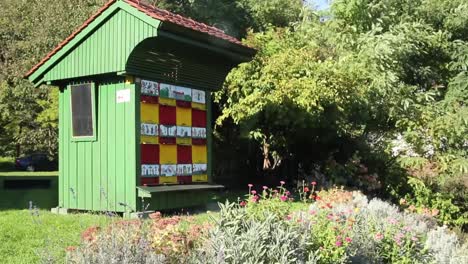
24,236
27,173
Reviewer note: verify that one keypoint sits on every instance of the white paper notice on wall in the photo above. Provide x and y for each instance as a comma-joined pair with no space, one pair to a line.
123,96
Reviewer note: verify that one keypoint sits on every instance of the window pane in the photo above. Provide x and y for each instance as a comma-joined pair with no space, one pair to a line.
82,110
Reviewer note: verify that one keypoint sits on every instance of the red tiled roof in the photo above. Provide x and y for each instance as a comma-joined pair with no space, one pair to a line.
166,16
154,12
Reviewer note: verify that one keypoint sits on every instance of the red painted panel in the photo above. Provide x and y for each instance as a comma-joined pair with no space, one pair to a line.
149,154
184,179
184,104
149,99
184,154
198,118
167,115
168,140
198,141
149,181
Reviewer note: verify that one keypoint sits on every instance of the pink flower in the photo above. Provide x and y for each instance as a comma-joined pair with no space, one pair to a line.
250,185
338,243
392,221
287,193
314,183
348,239
254,192
288,217
282,183
255,198
378,236
283,198
312,212
397,238
243,203
330,216
414,238
306,189
265,187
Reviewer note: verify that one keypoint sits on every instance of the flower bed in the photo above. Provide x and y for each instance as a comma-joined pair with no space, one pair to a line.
334,226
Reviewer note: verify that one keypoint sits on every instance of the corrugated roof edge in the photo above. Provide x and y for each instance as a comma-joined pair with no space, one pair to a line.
157,13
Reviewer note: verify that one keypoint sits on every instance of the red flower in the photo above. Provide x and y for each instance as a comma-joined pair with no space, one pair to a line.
306,189
243,203
314,183
317,198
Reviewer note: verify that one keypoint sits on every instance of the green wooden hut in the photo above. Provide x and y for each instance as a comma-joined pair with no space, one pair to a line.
135,107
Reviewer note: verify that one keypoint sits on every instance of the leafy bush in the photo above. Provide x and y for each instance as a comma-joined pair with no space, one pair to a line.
446,247
122,242
276,201
240,238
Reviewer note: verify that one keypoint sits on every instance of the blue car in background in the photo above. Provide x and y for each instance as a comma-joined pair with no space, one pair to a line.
36,162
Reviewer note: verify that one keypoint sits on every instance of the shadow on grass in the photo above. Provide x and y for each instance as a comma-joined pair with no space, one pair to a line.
17,191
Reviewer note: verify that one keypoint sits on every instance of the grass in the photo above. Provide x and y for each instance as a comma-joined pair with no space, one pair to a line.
7,169
24,236
27,173
29,236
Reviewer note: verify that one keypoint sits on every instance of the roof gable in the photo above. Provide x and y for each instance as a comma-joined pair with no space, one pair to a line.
147,14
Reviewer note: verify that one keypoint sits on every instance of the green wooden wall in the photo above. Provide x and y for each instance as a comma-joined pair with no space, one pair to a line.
105,49
100,174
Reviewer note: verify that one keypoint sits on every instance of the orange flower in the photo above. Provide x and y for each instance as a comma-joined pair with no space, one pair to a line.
70,248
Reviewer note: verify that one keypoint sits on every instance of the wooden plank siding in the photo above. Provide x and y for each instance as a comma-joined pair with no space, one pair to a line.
106,50
100,174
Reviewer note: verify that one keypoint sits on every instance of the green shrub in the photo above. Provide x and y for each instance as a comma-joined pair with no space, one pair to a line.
240,238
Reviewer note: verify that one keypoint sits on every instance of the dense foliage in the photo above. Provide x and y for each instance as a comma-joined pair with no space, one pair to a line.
374,97
28,30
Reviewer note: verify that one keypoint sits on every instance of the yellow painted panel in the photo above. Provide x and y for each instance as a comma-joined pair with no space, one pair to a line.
167,101
200,178
168,154
199,106
172,179
149,139
199,154
184,141
149,113
184,116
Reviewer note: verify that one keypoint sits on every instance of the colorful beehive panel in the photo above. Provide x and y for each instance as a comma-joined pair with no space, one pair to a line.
173,134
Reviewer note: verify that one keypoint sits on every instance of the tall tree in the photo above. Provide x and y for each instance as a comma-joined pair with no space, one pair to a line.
28,30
